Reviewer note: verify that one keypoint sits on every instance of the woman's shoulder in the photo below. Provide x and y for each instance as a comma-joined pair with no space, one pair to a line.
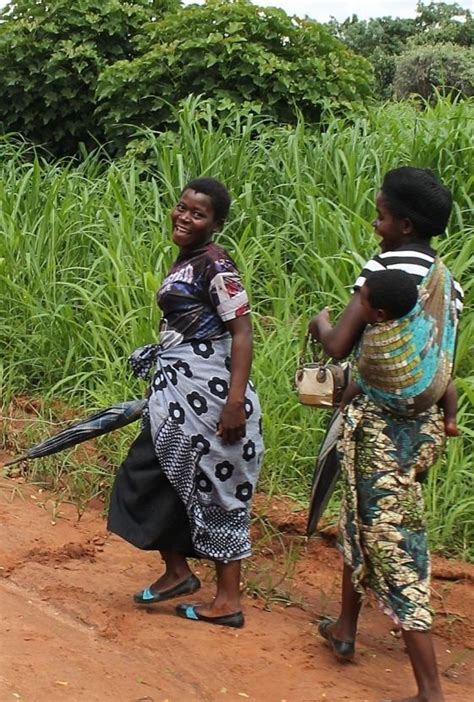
219,259
412,260
216,251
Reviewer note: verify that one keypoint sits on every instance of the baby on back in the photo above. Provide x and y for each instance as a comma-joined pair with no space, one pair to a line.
391,296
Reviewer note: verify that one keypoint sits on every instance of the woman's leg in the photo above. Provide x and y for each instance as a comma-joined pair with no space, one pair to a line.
177,571
423,660
227,599
345,628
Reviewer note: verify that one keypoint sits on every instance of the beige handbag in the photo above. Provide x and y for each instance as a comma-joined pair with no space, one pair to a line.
317,382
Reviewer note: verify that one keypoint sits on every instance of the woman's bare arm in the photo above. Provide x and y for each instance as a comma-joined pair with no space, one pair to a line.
338,341
232,421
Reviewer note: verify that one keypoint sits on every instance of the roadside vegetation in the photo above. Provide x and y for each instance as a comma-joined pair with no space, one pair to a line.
85,243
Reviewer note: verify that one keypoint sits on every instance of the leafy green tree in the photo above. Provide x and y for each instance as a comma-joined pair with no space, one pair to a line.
233,53
381,40
442,68
51,54
441,22
389,34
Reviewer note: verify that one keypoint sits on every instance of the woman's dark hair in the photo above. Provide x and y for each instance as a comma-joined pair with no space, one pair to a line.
217,192
415,194
393,291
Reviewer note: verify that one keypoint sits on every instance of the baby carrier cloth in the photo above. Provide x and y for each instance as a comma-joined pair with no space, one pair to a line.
405,364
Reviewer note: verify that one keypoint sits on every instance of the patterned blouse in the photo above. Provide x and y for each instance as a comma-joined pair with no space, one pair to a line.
202,291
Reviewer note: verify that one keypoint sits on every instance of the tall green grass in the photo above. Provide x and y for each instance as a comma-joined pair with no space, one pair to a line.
84,245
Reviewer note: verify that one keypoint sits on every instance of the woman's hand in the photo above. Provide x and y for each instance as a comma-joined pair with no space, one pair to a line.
231,426
339,340
351,392
320,321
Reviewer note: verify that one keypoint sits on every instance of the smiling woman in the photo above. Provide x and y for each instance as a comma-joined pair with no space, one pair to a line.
186,485
194,220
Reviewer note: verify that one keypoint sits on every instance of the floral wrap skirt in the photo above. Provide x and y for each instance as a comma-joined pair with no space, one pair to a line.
382,529
211,482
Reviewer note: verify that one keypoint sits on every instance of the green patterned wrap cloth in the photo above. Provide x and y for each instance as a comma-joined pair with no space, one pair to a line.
382,528
405,364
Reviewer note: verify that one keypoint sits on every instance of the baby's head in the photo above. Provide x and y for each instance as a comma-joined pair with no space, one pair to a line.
387,294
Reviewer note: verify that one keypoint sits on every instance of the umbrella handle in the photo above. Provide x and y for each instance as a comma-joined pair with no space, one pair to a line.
15,460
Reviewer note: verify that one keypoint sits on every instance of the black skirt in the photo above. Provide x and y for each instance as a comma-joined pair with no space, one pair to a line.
145,509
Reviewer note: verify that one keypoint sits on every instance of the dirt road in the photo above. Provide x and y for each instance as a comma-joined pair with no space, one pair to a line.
71,633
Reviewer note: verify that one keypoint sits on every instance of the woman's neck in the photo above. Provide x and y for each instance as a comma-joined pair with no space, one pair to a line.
416,242
185,253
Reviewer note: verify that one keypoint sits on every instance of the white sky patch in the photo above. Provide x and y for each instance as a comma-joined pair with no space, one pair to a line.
323,10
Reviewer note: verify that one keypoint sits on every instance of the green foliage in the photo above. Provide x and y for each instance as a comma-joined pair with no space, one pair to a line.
233,53
83,249
388,34
443,68
51,53
441,22
381,40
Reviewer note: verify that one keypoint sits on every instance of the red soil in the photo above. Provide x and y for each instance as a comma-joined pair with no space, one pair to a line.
71,632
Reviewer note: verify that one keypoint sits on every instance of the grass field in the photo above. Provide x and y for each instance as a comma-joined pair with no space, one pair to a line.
84,246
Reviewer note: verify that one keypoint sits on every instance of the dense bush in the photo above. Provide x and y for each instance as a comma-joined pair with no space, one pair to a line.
443,68
51,53
233,53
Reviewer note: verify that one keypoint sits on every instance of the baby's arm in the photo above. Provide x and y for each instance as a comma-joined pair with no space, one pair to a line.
351,391
449,405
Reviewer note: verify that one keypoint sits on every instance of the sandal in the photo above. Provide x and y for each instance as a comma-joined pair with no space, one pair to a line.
235,620
343,650
187,587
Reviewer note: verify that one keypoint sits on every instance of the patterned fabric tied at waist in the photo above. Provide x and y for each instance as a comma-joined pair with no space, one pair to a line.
405,364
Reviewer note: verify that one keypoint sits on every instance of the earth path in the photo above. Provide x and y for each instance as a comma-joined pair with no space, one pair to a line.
70,632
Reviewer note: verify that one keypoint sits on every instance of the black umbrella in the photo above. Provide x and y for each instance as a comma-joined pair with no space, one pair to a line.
101,423
326,473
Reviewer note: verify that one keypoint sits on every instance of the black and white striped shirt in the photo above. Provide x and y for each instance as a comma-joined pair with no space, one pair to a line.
413,260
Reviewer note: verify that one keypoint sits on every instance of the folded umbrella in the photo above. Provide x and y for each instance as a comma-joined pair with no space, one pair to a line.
101,423
326,473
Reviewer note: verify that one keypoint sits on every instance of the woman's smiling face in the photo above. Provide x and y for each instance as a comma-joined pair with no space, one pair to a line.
193,220
391,229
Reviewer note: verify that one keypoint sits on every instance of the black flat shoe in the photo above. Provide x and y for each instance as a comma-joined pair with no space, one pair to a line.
187,587
191,612
343,650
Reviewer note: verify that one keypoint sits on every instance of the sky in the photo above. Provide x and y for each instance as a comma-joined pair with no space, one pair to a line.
322,10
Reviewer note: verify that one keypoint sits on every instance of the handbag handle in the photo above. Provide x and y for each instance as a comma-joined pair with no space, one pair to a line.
309,340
